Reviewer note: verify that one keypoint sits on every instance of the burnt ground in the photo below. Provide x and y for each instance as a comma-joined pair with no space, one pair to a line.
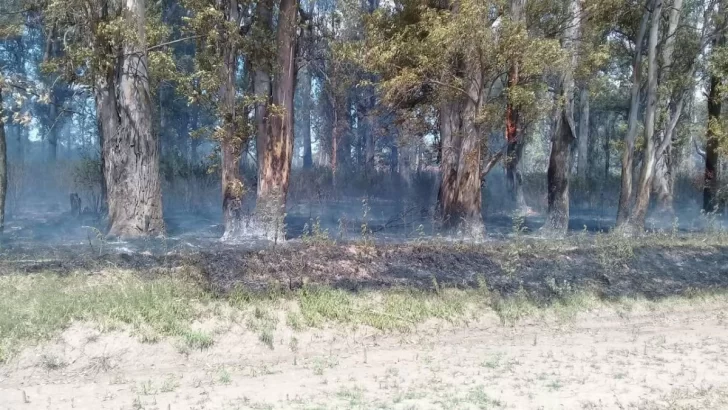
402,251
609,266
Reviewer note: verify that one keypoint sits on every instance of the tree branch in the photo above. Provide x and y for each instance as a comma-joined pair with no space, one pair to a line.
168,43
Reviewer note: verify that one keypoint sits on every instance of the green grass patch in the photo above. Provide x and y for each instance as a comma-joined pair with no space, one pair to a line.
34,308
37,307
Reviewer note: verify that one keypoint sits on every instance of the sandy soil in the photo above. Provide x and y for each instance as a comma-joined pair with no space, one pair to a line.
667,359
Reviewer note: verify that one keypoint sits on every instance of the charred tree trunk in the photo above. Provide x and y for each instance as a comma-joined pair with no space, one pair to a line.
710,189
625,193
132,160
3,165
582,164
231,143
557,219
276,169
644,186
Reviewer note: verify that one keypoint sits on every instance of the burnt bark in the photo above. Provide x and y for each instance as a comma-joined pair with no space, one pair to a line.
557,219
625,193
712,167
3,165
276,170
131,166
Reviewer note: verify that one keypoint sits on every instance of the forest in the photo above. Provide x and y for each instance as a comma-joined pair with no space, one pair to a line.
363,204
267,116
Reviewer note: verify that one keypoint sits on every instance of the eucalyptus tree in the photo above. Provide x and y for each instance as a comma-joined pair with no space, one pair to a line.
105,49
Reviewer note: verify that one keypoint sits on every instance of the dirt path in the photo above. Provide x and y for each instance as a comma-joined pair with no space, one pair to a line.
639,360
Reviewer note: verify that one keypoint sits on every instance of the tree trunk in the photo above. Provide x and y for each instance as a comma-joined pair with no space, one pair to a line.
3,166
273,187
193,155
711,201
52,121
583,140
306,118
370,140
625,193
710,189
339,132
648,162
394,159
514,140
262,91
469,198
459,197
132,160
557,219
107,118
608,132
514,150
662,183
514,177
450,137
53,130
231,143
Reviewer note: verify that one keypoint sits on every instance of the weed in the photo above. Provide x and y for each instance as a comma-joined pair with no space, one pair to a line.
224,376
147,388
169,384
195,339
294,320
315,235
266,337
52,362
